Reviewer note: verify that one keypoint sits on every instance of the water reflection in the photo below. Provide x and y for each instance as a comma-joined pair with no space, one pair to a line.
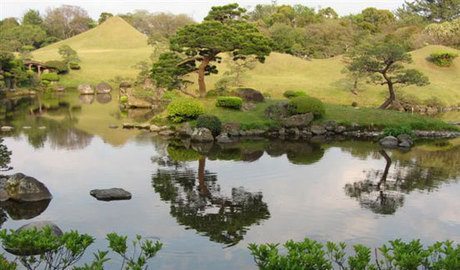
197,201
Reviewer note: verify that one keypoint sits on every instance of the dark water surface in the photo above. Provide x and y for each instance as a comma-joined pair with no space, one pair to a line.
207,203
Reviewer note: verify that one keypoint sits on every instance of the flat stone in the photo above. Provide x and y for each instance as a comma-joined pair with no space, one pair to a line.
389,142
223,138
166,133
128,125
154,128
111,194
26,127
113,126
42,127
143,126
297,121
6,128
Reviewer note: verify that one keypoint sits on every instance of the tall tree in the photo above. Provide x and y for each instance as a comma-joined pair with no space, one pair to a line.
67,21
383,63
224,30
68,54
32,17
433,10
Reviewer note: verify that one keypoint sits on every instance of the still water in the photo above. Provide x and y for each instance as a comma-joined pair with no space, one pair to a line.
206,203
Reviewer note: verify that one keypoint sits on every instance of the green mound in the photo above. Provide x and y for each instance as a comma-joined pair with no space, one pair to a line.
106,51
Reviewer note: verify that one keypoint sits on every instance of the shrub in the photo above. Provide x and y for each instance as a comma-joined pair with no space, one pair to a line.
170,95
354,104
210,122
311,254
181,110
51,77
292,94
434,102
229,102
443,59
123,99
59,66
396,131
74,66
300,105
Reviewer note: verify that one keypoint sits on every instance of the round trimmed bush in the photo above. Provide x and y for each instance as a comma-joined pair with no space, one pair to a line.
51,77
443,59
292,94
300,105
181,110
124,99
229,102
74,66
210,122
59,66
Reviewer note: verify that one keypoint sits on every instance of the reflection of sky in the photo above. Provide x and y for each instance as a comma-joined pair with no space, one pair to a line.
304,201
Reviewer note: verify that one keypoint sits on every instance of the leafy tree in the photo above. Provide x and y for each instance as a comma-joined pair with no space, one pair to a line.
66,21
14,38
217,34
12,70
104,16
328,13
433,10
68,54
32,17
383,63
374,20
446,33
169,70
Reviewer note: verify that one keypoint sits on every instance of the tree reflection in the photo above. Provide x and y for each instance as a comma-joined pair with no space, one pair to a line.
198,202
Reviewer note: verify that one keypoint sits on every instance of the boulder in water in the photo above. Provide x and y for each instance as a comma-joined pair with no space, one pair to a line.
85,89
22,188
111,194
202,135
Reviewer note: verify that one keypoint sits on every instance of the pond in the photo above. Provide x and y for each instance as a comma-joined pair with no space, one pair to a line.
206,203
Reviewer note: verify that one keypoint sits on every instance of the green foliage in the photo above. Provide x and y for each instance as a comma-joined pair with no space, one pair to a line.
293,93
229,102
305,104
60,66
181,154
51,77
68,54
180,110
6,265
5,156
168,71
123,99
396,131
310,254
443,59
74,66
433,10
104,16
210,122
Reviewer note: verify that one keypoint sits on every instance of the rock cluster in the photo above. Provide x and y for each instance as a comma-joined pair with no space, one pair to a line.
402,141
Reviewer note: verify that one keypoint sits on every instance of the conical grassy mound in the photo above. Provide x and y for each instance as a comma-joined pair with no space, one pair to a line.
106,51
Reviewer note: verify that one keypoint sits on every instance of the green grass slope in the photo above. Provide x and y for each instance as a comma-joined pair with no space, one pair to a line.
106,51
323,78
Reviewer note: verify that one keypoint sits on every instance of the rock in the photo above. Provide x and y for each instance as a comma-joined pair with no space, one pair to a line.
111,194
125,84
167,133
249,94
305,134
142,126
330,125
405,141
6,128
85,89
389,142
42,127
317,130
154,128
340,129
103,98
185,130
405,144
277,111
22,188
128,125
248,106
26,127
298,121
113,126
103,88
134,102
223,138
35,250
202,135
232,129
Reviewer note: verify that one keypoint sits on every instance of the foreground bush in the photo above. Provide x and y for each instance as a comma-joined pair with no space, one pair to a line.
51,77
443,59
292,94
210,122
300,105
310,254
43,249
181,110
229,102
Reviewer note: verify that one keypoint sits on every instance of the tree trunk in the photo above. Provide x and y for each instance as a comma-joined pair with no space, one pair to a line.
201,183
392,96
201,73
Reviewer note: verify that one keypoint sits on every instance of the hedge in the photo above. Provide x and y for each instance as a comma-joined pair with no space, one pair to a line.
229,102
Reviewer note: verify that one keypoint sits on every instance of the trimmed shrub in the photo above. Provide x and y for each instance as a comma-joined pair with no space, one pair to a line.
396,131
292,94
123,99
74,66
443,59
210,122
181,110
51,77
354,104
300,105
59,66
229,102
435,102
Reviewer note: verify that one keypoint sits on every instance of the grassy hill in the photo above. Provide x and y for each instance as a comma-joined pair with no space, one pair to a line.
106,51
112,48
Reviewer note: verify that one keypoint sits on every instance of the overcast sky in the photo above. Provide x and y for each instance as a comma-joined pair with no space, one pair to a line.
195,8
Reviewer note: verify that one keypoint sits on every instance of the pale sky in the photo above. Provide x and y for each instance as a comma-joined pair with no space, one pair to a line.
195,8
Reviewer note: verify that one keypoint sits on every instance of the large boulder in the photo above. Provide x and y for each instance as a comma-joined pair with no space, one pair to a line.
22,188
103,88
318,130
249,94
297,121
134,102
277,111
110,194
202,135
185,130
389,142
86,89
232,129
